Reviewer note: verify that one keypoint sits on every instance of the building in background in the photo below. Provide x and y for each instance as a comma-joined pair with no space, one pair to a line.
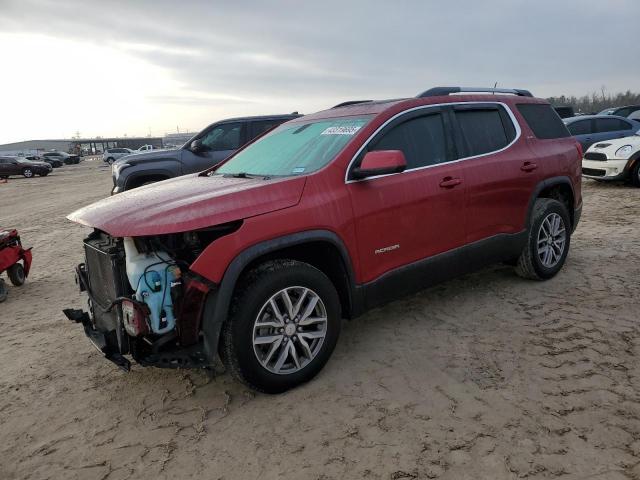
176,140
83,146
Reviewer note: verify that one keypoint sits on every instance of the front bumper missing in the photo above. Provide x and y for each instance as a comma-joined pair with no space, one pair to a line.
102,277
98,339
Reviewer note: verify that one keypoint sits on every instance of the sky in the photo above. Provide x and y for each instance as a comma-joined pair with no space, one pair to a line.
144,67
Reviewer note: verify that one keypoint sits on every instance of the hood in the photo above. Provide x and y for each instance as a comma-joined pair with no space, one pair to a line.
609,147
188,203
135,157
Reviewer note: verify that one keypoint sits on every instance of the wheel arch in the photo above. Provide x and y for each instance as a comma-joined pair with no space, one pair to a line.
322,249
557,188
633,160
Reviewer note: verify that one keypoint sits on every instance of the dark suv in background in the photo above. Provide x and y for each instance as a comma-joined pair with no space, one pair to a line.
621,111
66,158
206,149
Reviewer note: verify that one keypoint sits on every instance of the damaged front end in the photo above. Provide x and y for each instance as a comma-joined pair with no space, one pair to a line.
143,300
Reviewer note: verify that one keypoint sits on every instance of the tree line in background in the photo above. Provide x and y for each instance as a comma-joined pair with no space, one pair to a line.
597,101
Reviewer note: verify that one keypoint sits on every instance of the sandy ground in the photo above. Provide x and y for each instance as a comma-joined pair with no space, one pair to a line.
488,376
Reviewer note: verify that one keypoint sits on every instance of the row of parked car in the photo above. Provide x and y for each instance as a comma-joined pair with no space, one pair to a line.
110,155
29,166
611,141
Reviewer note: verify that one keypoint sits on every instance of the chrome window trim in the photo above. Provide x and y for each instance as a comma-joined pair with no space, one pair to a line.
424,107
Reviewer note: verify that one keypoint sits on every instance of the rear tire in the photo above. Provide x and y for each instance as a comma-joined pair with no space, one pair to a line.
3,291
273,349
548,241
16,274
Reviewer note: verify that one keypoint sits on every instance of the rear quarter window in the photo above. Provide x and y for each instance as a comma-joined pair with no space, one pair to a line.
543,120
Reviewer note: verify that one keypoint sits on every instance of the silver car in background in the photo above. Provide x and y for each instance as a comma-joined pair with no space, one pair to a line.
110,155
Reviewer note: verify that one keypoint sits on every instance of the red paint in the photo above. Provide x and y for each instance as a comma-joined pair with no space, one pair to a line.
191,308
188,203
405,216
384,159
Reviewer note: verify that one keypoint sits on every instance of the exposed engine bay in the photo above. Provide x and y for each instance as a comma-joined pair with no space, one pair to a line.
143,300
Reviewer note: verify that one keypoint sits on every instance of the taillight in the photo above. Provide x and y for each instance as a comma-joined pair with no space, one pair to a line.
579,148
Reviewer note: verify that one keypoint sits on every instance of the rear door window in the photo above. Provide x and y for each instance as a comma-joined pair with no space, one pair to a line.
421,139
484,129
611,125
581,127
543,120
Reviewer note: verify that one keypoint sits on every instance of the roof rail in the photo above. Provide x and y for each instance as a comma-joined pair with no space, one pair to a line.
437,91
351,102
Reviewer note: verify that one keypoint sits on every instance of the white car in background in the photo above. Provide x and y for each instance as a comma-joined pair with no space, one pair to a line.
110,155
617,159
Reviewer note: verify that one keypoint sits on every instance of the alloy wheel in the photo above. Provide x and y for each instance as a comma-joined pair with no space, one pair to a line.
289,330
552,238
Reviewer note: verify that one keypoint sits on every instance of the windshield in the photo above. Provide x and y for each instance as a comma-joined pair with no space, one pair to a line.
295,149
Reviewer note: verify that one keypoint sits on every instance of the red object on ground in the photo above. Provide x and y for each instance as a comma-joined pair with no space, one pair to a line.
12,252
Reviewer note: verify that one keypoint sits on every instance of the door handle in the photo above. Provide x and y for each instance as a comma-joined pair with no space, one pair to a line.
450,182
528,167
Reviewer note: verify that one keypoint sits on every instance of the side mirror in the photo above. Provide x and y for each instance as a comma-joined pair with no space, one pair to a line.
382,162
197,146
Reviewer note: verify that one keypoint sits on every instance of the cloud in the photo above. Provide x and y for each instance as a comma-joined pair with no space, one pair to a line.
349,47
315,54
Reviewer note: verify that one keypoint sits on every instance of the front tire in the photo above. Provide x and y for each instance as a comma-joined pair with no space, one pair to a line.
548,241
27,173
283,326
635,174
16,274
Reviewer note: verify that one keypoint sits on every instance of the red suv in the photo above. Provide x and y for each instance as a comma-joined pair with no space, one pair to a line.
258,259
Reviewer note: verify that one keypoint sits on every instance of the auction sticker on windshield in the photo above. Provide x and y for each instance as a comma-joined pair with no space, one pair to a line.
344,130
